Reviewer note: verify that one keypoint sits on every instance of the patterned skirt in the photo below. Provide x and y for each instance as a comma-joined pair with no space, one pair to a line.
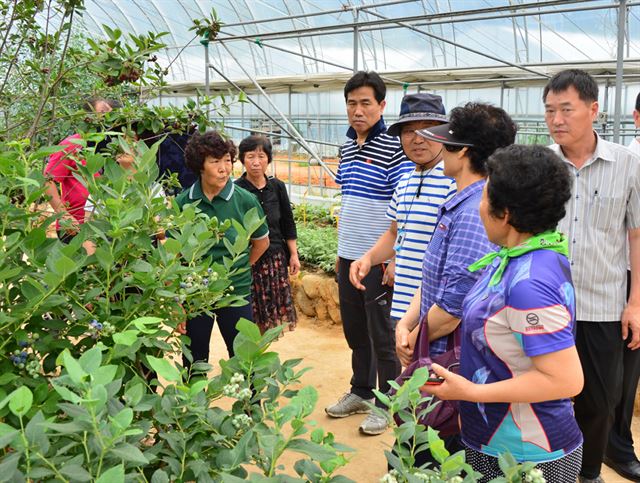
272,299
562,470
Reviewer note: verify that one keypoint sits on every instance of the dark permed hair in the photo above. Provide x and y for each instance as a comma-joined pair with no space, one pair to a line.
211,144
638,103
580,80
486,127
532,183
253,143
369,79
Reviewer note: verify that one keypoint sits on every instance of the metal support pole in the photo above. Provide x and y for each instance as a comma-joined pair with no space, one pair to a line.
289,150
622,12
605,106
356,13
206,69
502,95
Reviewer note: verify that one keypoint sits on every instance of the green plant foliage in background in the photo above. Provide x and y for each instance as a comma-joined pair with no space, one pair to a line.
317,236
318,246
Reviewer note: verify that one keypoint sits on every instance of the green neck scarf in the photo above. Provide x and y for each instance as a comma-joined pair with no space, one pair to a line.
549,240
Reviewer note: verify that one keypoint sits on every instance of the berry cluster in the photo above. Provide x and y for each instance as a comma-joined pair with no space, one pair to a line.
195,283
97,329
234,390
534,475
394,477
241,421
23,359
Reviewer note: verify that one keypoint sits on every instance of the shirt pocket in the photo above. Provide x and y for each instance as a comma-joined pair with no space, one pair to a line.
607,212
437,238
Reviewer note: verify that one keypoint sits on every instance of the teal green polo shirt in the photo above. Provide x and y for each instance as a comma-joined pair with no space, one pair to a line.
231,203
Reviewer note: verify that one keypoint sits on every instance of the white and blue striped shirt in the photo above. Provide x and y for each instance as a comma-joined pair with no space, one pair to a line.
416,217
368,175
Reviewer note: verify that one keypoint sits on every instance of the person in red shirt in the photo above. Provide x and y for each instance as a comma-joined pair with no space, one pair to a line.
67,195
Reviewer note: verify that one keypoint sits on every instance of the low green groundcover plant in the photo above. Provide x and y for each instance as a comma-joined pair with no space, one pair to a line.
317,236
318,246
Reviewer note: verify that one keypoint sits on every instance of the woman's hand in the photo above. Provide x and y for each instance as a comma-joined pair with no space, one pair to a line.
454,387
404,349
294,264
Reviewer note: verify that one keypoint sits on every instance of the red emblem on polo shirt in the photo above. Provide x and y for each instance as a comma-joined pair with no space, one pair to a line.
369,161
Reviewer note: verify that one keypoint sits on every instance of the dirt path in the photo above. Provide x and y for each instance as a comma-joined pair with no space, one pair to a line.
325,351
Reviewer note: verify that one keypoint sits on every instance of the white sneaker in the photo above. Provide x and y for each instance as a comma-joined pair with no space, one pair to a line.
347,405
374,424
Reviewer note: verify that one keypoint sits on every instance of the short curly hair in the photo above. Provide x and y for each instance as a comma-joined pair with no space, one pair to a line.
486,127
532,183
210,143
253,143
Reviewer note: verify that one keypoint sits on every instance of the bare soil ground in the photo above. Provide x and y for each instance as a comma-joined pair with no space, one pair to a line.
324,349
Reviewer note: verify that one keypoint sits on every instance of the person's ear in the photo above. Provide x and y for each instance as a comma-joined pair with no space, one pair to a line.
505,218
594,110
463,152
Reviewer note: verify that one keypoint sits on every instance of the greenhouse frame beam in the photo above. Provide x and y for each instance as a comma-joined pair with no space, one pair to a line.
450,42
386,4
419,22
305,56
279,135
444,17
346,8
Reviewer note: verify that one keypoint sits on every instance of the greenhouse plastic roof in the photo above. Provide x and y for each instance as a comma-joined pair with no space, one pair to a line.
311,41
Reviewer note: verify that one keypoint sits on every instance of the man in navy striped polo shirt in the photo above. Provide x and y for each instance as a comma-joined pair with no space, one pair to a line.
371,164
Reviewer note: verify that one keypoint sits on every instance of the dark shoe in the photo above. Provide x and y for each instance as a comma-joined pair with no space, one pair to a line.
597,479
630,469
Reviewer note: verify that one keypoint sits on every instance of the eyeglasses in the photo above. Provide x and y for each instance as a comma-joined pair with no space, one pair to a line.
452,149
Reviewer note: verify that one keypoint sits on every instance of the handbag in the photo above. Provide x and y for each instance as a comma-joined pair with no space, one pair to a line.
443,415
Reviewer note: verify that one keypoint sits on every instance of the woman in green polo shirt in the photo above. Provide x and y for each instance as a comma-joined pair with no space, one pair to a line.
211,157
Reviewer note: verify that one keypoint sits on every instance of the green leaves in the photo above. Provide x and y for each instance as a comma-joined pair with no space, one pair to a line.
20,401
112,475
165,369
73,367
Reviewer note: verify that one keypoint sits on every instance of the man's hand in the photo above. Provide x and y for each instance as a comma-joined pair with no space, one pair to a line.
358,270
454,387
389,275
404,349
294,264
631,323
181,328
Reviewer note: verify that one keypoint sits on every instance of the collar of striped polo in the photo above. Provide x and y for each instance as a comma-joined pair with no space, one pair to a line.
375,130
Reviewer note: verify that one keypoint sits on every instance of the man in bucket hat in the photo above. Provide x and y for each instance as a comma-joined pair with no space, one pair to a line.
413,211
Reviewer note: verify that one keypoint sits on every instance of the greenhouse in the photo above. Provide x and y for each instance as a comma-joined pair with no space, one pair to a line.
319,240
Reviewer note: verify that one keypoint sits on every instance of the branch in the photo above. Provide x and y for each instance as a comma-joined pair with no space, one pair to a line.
6,34
45,95
11,64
